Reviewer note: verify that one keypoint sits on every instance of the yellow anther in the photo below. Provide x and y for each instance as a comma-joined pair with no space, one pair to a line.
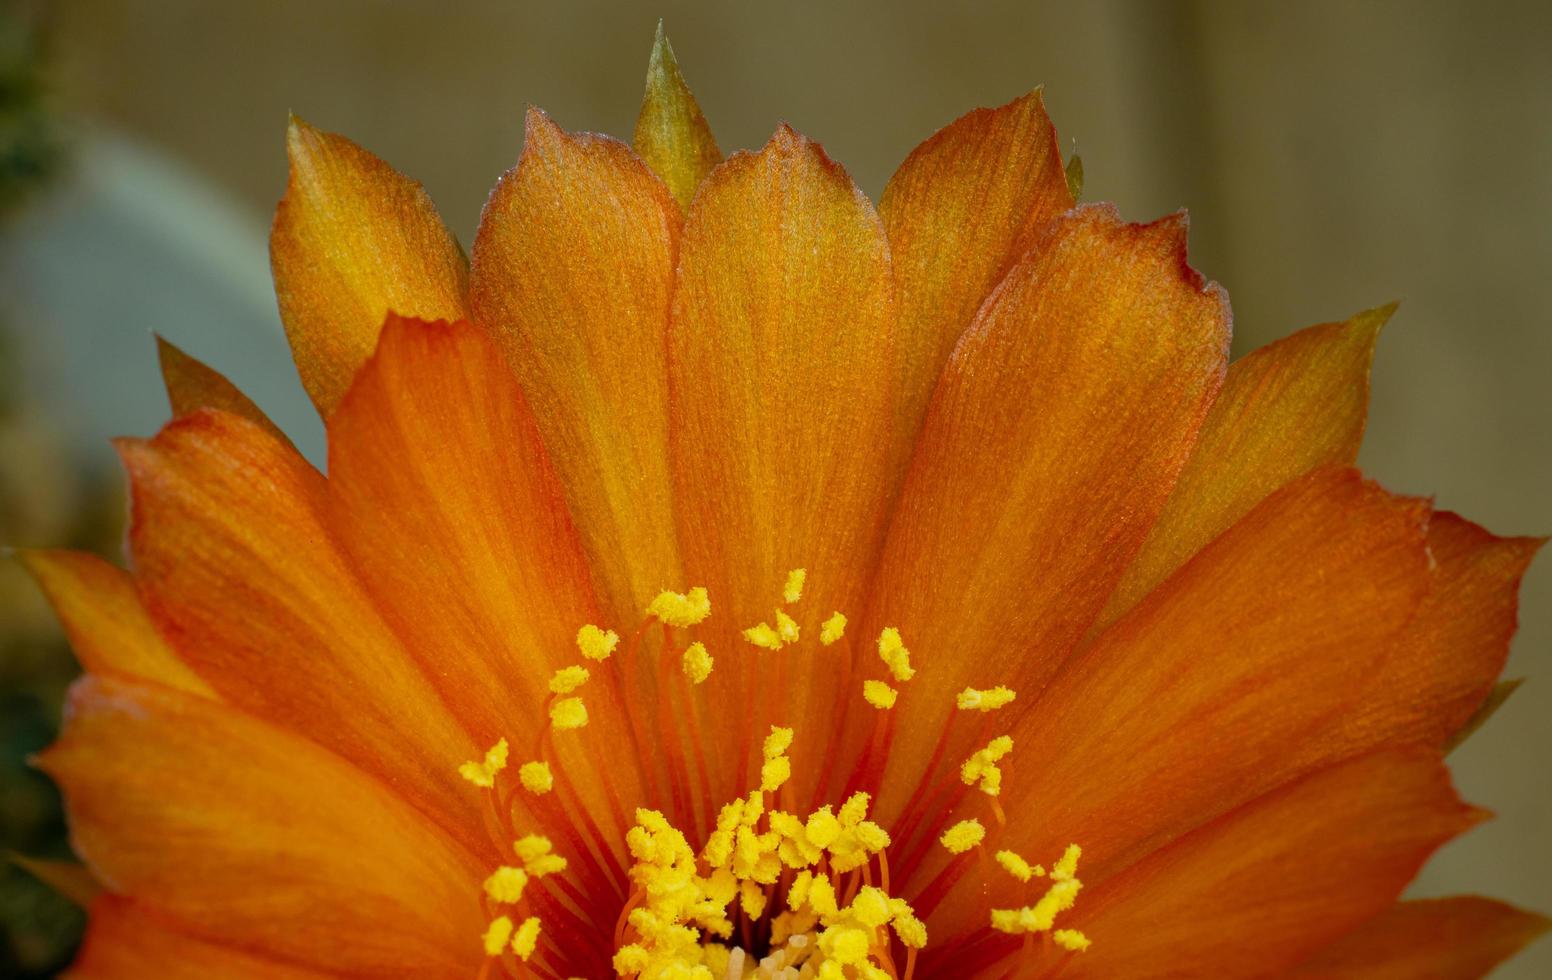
532,847
568,714
871,907
568,679
872,837
681,609
697,663
797,892
1071,939
546,864
774,773
833,629
894,654
794,588
981,767
526,939
777,742
505,885
1060,897
854,810
822,827
971,699
1019,868
751,898
497,934
596,644
1066,868
846,945
911,930
536,777
630,960
761,635
483,773
786,627
962,836
879,694
821,896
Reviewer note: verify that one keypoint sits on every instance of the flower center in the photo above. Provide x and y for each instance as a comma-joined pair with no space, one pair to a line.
771,891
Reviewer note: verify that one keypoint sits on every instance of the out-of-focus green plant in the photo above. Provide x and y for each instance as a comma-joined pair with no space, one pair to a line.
41,501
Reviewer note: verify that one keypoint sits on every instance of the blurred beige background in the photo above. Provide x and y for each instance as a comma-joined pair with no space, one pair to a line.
1334,156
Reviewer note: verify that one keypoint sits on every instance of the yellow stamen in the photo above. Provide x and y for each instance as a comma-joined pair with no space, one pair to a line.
833,629
505,885
1071,939
568,679
596,644
697,663
761,635
568,714
681,609
894,654
536,777
1019,868
483,773
982,766
1058,898
786,627
879,694
794,588
496,935
971,699
526,939
963,836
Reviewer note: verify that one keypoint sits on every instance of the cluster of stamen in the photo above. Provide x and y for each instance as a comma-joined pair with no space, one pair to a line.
819,884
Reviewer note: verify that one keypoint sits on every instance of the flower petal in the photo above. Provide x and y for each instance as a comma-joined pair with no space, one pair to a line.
1285,409
193,385
354,239
573,266
671,134
1219,685
1446,661
783,366
194,808
101,612
962,208
237,565
1255,891
1053,438
443,495
1458,938
125,942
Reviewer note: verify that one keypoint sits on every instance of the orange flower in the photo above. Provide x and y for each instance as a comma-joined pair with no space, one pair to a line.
719,568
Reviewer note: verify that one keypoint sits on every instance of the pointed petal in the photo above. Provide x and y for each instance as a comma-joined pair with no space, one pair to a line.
782,364
125,942
354,239
70,879
573,266
1053,438
1446,662
193,385
193,808
443,495
238,567
1495,699
102,615
1255,891
1460,938
1285,409
671,134
1221,683
962,208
